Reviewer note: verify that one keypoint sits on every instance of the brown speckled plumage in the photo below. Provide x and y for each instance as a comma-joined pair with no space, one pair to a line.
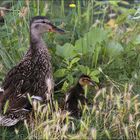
33,75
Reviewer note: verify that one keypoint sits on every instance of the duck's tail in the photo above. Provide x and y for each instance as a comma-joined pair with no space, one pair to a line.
13,117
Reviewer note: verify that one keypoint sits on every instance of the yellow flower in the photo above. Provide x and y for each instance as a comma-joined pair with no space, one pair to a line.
72,5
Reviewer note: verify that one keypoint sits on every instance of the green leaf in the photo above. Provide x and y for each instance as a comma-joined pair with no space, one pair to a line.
87,43
95,72
137,40
66,51
70,78
73,61
60,73
94,76
114,49
84,69
65,86
81,46
97,35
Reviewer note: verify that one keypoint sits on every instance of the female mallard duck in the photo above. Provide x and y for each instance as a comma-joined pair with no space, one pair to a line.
32,76
76,94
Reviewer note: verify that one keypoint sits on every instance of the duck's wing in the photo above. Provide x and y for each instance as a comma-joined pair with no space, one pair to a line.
9,77
16,74
16,82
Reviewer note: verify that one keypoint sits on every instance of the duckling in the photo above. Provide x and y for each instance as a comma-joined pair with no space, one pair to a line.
32,75
76,94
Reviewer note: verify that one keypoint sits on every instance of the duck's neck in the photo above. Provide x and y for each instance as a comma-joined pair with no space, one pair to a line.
36,41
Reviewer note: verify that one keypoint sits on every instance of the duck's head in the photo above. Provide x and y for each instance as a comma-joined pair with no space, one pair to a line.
41,24
86,80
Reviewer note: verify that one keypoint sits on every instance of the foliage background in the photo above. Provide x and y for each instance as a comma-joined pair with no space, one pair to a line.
102,40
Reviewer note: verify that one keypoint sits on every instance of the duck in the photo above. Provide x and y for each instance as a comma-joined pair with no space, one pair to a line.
76,94
32,76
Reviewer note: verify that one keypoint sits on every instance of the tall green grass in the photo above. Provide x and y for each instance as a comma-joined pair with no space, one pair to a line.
112,115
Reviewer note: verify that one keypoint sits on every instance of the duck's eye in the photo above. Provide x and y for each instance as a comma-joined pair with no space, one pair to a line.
43,22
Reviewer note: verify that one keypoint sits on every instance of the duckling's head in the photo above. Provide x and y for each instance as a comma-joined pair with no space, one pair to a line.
86,80
40,24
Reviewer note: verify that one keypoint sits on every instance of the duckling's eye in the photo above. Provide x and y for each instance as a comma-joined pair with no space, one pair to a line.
84,80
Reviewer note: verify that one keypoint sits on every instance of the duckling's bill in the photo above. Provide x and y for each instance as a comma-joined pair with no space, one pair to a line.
92,83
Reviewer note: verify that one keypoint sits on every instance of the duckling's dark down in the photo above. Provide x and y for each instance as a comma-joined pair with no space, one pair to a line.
33,74
76,94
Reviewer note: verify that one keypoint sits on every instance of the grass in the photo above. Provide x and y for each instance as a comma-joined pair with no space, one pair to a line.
111,115
107,51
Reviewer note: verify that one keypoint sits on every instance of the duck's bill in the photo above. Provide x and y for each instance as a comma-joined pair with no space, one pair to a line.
57,30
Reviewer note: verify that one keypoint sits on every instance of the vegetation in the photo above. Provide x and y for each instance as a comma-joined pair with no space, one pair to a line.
102,41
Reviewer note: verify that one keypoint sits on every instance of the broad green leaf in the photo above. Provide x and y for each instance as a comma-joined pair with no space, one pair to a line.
65,86
87,43
114,49
137,40
66,51
95,78
70,78
81,46
96,35
95,72
73,61
60,73
84,69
